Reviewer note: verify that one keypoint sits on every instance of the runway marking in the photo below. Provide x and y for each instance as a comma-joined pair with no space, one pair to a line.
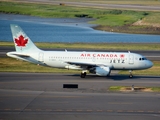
130,111
79,110
89,110
44,96
99,110
140,111
109,110
38,109
119,103
56,102
58,110
27,109
69,110
120,111
48,109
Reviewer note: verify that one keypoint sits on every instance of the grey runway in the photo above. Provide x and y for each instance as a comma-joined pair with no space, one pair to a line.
42,96
54,82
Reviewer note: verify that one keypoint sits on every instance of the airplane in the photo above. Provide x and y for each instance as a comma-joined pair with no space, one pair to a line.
99,63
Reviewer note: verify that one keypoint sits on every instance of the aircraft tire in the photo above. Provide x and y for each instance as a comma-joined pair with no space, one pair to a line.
83,75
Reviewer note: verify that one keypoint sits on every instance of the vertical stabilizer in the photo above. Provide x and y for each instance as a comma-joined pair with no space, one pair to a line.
22,42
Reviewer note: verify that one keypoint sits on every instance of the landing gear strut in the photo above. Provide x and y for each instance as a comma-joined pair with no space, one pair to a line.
130,74
83,74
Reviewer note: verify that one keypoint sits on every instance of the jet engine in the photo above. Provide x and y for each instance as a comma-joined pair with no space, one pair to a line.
101,70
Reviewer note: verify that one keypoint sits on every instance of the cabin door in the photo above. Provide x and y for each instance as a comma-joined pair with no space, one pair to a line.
41,57
131,59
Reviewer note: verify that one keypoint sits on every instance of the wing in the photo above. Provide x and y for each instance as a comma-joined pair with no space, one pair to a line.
99,69
84,65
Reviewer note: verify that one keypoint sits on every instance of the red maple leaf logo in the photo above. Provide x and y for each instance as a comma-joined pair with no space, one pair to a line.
122,55
21,41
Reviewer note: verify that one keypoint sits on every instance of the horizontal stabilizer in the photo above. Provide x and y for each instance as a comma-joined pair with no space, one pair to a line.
17,54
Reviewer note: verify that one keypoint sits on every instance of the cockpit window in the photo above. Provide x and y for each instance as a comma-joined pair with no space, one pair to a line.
143,58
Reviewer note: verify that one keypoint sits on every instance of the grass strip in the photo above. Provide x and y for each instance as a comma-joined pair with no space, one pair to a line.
128,88
115,88
12,65
92,46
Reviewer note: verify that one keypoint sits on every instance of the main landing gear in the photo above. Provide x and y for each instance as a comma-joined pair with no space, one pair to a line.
130,74
83,74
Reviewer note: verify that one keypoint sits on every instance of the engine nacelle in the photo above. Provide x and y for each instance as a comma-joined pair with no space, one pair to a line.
101,71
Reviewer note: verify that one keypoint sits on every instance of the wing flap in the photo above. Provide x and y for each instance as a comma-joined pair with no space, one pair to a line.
85,65
82,64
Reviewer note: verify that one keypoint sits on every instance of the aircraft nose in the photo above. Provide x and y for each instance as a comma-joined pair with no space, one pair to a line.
150,64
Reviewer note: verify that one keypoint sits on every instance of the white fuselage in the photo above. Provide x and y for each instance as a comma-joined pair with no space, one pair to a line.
113,60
